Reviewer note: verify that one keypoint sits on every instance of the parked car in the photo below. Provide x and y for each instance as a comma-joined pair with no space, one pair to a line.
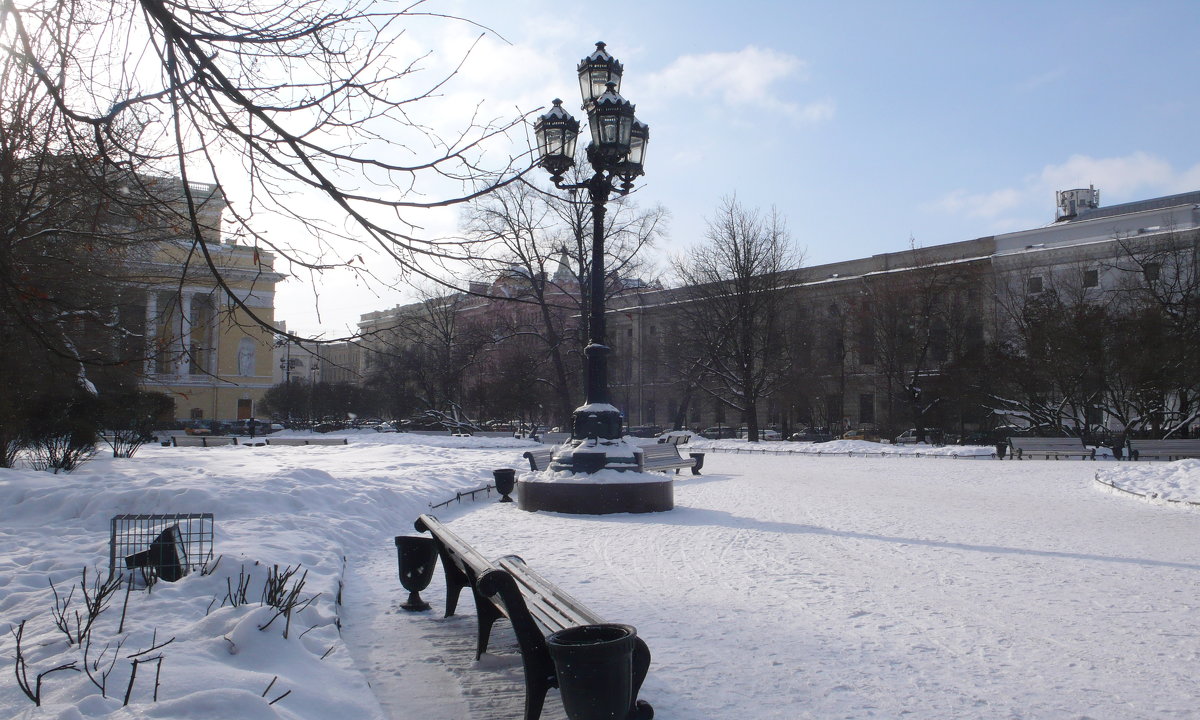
719,432
261,427
813,434
763,434
860,434
933,436
644,431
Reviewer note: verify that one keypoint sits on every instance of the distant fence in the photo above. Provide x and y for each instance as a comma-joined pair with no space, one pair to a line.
458,497
850,453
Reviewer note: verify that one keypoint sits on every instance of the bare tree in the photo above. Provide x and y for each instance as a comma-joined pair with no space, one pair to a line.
539,244
734,308
430,350
309,111
70,229
1158,303
1050,349
909,324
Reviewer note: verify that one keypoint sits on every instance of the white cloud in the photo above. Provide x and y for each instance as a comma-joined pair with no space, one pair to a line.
1123,177
746,78
1136,176
980,205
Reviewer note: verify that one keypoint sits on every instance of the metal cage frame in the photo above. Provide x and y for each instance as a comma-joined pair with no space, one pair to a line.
132,534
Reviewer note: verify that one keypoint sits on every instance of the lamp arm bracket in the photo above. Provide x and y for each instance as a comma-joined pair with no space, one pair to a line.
598,183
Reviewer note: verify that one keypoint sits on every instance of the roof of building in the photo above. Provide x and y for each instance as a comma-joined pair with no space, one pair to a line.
1188,198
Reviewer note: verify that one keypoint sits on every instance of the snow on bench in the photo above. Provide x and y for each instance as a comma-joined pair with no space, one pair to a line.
1023,447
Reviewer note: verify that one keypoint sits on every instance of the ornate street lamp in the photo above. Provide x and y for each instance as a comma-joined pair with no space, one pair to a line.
616,153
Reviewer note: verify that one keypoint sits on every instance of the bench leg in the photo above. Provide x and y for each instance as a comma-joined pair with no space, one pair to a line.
640,709
456,580
539,678
487,614
699,458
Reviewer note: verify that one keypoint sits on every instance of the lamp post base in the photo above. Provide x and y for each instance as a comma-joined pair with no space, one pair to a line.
596,442
597,498
596,454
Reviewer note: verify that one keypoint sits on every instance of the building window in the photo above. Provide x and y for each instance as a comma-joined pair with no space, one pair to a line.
866,408
866,343
1151,271
973,334
1091,278
833,410
247,357
1033,285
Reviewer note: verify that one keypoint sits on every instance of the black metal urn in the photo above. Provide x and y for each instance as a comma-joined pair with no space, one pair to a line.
417,557
506,482
594,665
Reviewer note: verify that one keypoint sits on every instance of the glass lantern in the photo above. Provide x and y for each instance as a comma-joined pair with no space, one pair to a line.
596,71
556,133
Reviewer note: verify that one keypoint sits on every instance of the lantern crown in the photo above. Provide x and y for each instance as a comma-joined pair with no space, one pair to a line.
556,132
596,71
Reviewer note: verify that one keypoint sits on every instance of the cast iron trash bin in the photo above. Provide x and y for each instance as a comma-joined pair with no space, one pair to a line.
417,558
506,482
594,667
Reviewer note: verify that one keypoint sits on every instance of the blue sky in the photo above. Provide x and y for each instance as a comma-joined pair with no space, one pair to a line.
865,123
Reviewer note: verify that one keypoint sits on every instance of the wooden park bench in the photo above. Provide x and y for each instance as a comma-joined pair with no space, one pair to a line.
202,440
540,459
534,606
307,441
1023,447
665,456
659,456
1173,449
674,440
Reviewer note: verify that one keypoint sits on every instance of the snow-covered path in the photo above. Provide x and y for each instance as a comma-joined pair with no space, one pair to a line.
852,587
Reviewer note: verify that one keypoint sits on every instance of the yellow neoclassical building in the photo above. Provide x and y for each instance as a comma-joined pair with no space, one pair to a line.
207,347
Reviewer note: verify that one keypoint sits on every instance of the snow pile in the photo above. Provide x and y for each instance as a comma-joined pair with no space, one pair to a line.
316,507
1177,481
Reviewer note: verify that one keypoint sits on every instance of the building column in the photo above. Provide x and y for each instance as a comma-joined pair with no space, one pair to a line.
185,334
151,332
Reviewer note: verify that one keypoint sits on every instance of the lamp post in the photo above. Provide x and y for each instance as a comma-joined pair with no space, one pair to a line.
616,153
285,365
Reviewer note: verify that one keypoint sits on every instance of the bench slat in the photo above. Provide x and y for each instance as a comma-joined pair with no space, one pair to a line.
540,458
559,609
1171,449
664,456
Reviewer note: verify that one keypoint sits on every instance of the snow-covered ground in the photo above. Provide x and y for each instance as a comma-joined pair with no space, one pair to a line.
781,586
